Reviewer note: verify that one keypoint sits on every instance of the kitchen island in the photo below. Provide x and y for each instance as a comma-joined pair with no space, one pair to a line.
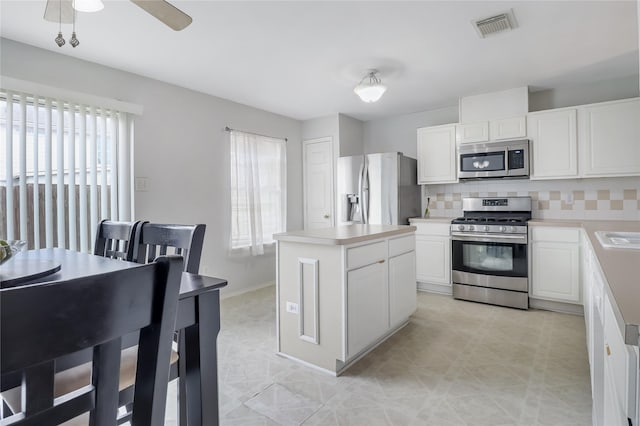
342,291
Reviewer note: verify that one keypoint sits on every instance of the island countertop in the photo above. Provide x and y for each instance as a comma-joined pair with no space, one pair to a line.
343,235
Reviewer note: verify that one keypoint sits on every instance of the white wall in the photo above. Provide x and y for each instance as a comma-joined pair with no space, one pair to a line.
600,91
181,147
351,136
399,133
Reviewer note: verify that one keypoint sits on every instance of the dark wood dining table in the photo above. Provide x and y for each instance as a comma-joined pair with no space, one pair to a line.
198,321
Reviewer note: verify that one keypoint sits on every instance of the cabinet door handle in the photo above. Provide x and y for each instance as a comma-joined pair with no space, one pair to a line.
608,350
381,261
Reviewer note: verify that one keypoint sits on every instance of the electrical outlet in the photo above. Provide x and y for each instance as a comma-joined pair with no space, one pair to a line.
142,184
569,198
292,307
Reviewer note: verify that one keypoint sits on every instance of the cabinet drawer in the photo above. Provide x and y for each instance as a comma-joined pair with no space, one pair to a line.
367,254
401,245
561,235
427,228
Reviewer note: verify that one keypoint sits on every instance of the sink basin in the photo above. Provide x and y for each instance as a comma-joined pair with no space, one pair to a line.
626,240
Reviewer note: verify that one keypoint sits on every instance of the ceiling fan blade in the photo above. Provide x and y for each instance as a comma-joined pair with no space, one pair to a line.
59,10
166,13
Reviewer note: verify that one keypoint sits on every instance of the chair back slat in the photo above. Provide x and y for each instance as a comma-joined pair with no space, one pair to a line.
187,240
115,239
43,322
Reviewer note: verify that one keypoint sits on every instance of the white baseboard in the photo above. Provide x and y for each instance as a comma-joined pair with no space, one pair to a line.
435,288
340,367
227,294
549,305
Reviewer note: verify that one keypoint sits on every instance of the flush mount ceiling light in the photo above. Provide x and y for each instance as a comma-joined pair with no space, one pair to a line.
370,88
88,5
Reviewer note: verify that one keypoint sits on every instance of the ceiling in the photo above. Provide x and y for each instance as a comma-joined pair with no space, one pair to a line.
302,58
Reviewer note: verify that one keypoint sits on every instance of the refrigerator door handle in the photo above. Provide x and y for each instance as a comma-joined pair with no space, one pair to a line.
360,194
364,203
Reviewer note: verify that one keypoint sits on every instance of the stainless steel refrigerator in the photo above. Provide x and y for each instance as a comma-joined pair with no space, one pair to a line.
377,189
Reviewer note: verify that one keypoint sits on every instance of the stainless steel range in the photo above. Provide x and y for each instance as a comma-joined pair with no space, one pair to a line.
489,251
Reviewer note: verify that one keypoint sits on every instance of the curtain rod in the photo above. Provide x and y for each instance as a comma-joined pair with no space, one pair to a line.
229,129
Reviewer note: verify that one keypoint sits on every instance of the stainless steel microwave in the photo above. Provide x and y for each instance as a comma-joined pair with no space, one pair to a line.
504,159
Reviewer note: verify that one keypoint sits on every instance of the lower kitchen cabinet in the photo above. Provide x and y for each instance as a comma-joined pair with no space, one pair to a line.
402,287
555,264
367,306
613,365
433,254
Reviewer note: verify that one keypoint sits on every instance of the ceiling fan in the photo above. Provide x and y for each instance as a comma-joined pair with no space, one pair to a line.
62,11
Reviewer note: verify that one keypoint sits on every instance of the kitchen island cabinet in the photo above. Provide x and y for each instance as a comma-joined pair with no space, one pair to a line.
342,291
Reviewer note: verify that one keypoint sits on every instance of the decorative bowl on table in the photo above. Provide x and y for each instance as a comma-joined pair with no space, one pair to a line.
8,248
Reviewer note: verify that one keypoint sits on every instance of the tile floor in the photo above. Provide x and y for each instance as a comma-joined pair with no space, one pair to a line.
456,363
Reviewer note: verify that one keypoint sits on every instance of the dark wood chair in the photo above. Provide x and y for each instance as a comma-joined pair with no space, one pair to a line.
154,239
44,322
115,239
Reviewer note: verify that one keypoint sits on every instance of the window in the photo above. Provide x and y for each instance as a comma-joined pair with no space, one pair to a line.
258,191
63,168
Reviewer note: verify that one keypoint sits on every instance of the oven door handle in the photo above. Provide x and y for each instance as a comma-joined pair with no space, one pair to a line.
484,238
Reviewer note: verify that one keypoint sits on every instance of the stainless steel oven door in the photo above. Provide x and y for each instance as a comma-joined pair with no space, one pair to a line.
490,261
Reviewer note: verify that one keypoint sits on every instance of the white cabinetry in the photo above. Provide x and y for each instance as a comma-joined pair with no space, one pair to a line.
472,132
613,364
494,130
433,254
610,138
508,128
555,264
367,306
437,154
402,287
553,144
338,299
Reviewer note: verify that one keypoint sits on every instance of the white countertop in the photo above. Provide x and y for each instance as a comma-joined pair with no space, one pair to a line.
621,267
343,235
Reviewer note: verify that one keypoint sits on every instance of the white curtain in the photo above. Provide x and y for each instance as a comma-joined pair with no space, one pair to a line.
65,166
258,191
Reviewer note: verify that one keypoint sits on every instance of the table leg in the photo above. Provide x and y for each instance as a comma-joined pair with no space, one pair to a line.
201,362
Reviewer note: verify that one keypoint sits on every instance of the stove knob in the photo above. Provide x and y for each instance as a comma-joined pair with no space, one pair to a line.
512,229
503,229
460,227
471,227
486,228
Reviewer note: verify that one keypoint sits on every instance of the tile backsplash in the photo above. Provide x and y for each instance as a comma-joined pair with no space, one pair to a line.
596,199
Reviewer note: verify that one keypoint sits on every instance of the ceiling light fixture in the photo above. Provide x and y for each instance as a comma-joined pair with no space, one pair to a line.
88,5
370,88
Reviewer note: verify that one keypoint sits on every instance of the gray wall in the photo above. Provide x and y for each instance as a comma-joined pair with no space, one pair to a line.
601,91
351,136
399,133
181,147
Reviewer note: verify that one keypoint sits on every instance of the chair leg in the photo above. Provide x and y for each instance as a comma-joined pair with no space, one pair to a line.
182,383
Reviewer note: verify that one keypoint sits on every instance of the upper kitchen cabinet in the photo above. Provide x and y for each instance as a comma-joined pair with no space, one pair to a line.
610,138
494,130
553,144
437,154
494,116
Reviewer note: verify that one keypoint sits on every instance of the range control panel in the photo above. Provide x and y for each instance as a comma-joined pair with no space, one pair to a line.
493,202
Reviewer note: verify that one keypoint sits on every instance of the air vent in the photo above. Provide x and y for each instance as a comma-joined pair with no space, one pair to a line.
495,24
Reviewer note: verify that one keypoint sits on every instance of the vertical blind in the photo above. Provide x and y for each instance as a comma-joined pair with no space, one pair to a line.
258,191
65,166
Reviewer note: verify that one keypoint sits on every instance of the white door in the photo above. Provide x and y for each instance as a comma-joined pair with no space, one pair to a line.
554,144
437,154
555,271
367,306
318,183
610,138
434,254
402,287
